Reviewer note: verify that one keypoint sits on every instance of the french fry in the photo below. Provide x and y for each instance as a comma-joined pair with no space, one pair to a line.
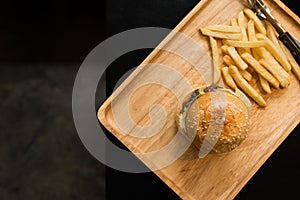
273,50
236,58
241,23
233,22
291,59
252,37
251,30
246,75
231,36
244,44
255,54
279,73
245,86
228,61
257,22
224,28
224,49
260,69
271,34
264,84
216,57
228,78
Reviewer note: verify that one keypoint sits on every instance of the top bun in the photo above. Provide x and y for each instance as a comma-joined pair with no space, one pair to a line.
232,115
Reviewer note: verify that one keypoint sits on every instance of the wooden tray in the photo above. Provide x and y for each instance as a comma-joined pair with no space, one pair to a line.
215,176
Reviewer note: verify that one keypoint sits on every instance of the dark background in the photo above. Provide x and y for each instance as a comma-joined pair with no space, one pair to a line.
42,44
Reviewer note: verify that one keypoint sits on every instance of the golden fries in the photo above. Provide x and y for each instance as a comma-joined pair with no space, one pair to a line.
275,69
228,61
257,22
241,23
228,78
260,69
251,31
224,49
252,37
231,36
264,84
246,75
272,35
233,22
236,58
224,29
244,44
245,86
291,59
273,50
215,56
249,43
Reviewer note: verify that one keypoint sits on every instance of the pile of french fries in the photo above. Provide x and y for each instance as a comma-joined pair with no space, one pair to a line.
250,46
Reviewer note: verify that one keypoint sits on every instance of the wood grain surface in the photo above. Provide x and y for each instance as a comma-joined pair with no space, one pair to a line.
132,113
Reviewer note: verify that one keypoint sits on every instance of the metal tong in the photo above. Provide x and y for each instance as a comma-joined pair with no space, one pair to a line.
264,12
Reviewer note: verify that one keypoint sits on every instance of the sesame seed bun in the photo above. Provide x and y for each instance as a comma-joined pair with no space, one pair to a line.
232,116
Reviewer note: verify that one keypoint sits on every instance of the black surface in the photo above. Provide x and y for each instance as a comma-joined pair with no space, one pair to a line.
41,155
51,30
42,44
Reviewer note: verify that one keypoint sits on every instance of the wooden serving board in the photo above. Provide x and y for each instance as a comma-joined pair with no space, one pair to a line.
219,176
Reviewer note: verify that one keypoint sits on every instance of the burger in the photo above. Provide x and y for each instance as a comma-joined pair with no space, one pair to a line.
217,119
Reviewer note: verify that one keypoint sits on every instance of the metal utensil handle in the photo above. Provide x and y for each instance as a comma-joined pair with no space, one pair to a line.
291,44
